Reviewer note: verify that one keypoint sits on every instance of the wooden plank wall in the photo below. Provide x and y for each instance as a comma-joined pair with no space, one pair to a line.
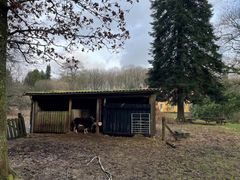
16,128
117,117
51,122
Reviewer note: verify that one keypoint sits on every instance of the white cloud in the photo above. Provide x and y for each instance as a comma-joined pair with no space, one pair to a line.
136,50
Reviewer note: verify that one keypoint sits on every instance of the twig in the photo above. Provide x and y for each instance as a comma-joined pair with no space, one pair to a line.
67,173
171,144
109,176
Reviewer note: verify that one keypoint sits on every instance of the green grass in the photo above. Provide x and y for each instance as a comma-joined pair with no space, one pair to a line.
233,127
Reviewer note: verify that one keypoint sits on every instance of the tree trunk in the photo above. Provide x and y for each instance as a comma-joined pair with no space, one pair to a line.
4,168
180,106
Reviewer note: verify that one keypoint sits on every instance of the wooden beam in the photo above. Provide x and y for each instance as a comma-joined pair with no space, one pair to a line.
98,114
31,116
152,102
172,133
69,114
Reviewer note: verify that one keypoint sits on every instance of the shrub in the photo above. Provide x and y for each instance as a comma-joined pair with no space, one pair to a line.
228,108
207,108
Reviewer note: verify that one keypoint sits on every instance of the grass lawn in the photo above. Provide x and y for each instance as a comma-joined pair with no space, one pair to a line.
233,127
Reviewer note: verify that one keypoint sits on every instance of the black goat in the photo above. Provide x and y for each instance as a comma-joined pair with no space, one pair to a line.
83,123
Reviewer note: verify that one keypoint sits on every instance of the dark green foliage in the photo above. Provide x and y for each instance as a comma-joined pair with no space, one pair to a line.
228,106
207,109
35,75
185,62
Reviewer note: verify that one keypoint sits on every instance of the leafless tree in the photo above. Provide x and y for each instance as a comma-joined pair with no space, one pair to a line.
229,30
49,29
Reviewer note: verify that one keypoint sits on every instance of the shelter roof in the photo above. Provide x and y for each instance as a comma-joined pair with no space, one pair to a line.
95,92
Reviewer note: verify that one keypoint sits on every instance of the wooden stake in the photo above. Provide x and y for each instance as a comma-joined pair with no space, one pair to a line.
163,128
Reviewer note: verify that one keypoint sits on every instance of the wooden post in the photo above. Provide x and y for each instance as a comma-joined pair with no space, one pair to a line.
152,102
98,114
69,114
163,128
31,116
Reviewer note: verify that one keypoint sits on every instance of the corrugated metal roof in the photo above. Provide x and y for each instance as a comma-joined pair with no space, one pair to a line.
95,92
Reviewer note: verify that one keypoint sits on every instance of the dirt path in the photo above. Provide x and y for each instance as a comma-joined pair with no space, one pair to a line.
210,153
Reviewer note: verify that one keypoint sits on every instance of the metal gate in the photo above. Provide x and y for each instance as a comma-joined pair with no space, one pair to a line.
140,123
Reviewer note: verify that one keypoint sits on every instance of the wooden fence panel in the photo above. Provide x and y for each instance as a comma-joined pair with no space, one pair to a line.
51,122
16,128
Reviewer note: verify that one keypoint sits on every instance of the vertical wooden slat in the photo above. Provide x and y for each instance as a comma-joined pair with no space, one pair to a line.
65,120
57,122
36,122
13,132
53,122
8,136
62,121
39,121
40,125
15,128
10,129
20,126
69,113
46,121
35,114
31,116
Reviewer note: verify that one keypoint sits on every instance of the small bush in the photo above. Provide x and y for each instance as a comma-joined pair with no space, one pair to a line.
235,117
229,108
207,108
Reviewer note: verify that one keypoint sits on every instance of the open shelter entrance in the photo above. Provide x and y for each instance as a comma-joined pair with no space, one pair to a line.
117,112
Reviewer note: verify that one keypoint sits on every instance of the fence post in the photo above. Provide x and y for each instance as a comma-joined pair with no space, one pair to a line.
22,126
163,128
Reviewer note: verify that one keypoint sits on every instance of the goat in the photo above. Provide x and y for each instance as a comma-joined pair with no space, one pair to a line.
84,124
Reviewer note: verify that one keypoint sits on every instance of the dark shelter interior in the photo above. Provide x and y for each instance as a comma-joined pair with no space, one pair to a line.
114,113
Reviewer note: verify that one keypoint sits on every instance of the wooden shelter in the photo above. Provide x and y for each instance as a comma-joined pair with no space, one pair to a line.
117,112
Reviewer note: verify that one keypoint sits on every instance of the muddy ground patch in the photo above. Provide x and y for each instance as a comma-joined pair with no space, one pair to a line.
212,152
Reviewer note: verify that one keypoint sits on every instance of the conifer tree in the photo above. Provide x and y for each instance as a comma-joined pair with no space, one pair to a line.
185,62
48,72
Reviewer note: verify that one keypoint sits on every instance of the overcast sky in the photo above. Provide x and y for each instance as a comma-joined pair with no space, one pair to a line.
136,50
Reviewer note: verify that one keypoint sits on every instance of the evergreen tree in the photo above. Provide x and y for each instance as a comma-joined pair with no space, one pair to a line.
48,72
185,62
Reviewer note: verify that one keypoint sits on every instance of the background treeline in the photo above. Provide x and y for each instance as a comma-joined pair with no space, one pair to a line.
130,77
228,105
